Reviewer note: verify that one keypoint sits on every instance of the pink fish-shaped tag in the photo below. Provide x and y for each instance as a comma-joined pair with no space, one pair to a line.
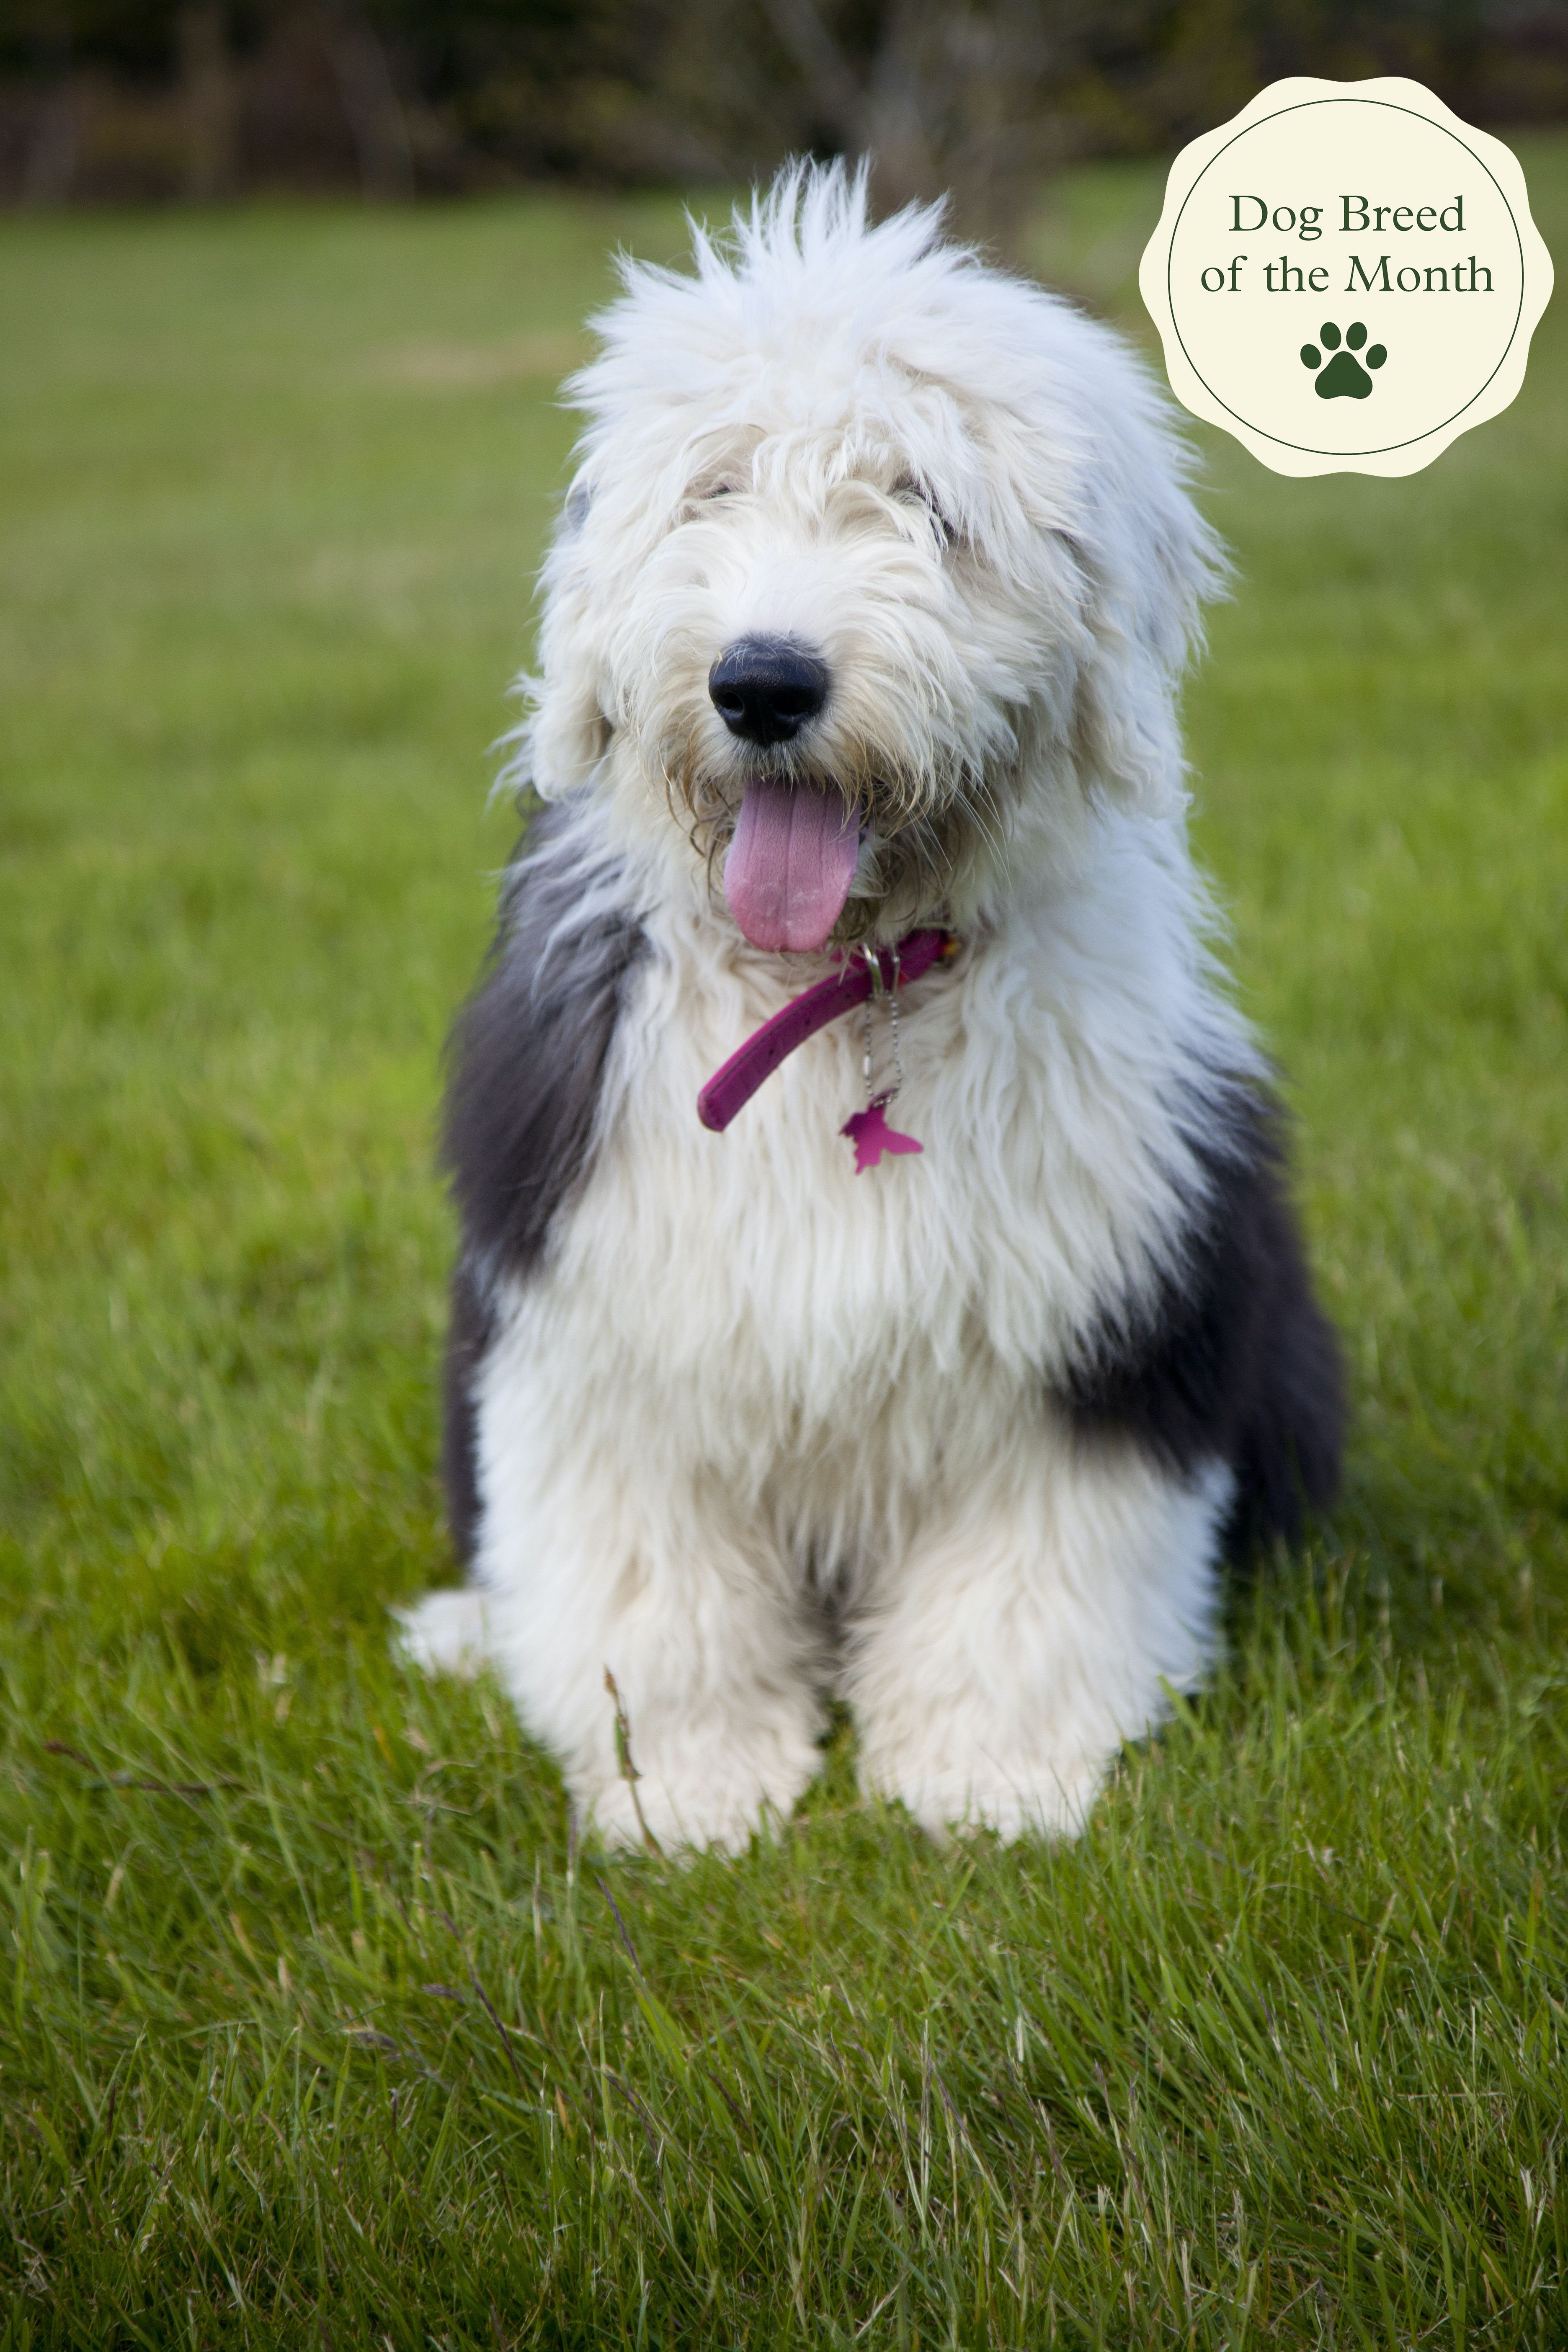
870,1133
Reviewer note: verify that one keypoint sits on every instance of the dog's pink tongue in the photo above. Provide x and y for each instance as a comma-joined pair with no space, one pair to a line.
789,865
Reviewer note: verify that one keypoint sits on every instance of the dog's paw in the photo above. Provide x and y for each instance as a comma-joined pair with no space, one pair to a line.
1018,1796
721,1820
447,1633
717,1801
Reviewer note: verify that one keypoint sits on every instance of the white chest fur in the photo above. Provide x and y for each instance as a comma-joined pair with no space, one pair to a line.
1051,1075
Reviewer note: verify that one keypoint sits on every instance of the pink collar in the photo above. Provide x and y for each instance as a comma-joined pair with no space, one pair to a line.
730,1090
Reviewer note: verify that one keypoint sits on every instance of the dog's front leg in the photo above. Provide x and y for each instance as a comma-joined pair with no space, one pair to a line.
605,1565
1047,1599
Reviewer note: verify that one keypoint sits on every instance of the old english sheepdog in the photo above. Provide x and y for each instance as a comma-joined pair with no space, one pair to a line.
856,736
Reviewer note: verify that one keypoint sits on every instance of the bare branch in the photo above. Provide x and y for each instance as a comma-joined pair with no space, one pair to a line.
834,92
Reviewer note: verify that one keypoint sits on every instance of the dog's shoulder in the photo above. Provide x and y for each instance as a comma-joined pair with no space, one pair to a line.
526,1063
527,1054
1196,1336
1228,1357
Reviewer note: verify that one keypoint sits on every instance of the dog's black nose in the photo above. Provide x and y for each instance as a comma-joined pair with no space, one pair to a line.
765,689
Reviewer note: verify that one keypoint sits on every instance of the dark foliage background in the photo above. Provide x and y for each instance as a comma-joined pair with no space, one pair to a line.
103,100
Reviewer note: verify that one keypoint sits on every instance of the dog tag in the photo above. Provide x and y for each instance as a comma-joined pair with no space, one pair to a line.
868,1132
868,1129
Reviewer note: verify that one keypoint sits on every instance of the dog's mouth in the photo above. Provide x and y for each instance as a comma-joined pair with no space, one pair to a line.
791,863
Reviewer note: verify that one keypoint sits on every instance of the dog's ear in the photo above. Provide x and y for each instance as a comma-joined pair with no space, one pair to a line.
1147,562
567,734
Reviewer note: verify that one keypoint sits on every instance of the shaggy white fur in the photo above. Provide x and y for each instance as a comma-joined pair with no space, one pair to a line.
741,1425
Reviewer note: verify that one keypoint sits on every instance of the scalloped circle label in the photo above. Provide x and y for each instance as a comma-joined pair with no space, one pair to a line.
1345,277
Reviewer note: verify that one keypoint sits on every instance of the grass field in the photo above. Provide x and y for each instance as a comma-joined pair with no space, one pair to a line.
317,2029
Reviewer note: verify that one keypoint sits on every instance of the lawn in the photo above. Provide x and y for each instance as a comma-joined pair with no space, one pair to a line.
320,2029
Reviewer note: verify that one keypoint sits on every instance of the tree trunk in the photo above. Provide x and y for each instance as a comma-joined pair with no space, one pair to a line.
50,168
953,98
207,82
375,116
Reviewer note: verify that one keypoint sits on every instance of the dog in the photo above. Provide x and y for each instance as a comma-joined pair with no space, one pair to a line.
862,631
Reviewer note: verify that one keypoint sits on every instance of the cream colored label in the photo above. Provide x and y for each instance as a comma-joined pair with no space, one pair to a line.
1346,277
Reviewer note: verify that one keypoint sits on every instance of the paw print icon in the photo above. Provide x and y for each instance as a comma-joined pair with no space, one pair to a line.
1345,377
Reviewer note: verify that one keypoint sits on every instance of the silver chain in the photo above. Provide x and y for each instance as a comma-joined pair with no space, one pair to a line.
879,989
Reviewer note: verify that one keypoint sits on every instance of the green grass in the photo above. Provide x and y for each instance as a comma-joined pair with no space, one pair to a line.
315,2030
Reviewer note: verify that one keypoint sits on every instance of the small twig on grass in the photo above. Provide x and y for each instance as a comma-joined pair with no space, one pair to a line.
132,1780
624,1764
650,2132
482,1996
955,2113
736,2109
880,2308
495,2018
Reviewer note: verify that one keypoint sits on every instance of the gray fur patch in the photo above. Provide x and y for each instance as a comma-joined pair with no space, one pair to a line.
525,1068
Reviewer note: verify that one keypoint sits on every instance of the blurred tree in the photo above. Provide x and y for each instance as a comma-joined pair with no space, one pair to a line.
977,97
371,102
207,86
980,97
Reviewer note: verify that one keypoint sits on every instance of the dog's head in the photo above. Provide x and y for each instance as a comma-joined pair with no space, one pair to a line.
876,576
